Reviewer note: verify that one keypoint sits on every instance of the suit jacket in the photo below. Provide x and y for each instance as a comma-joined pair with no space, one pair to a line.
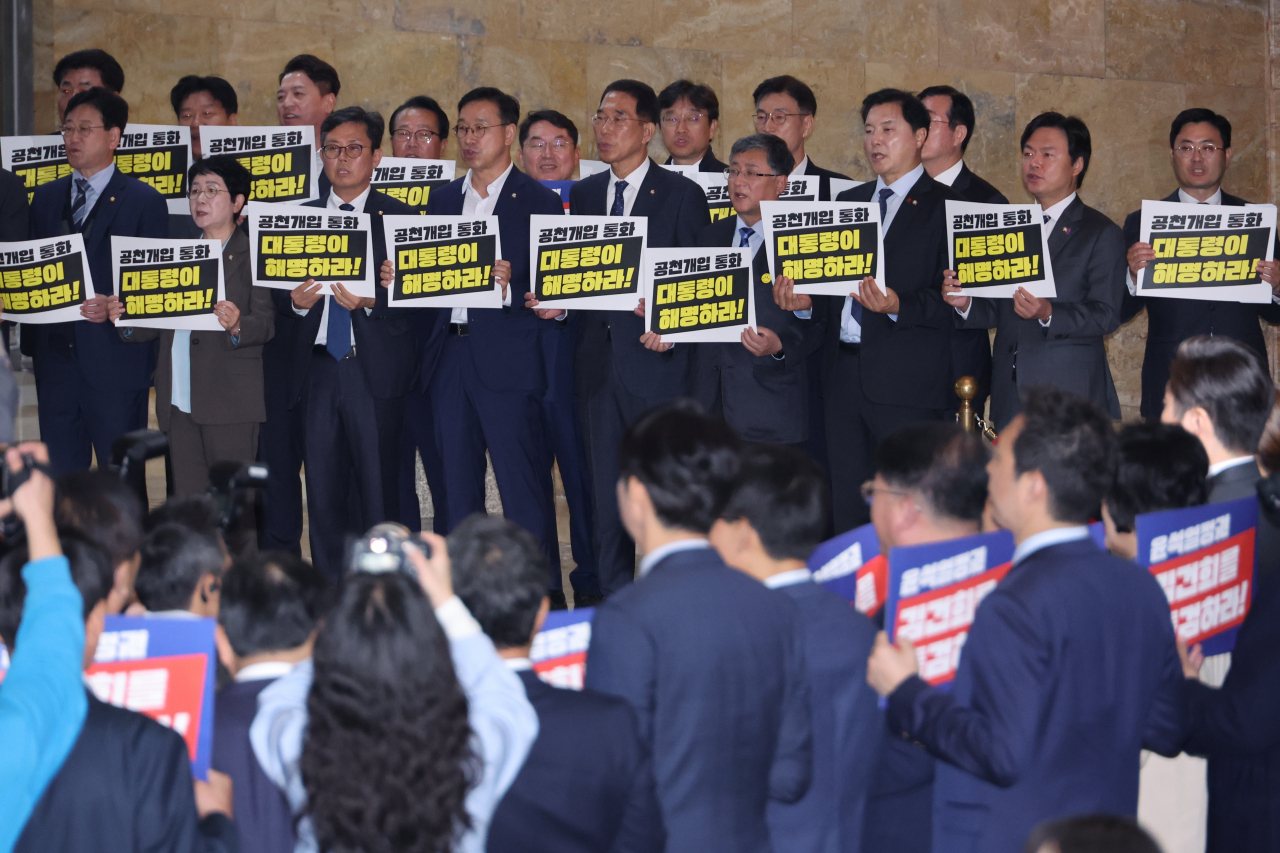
825,176
720,693
226,380
708,163
1241,481
972,188
609,341
847,727
505,341
124,788
15,218
587,784
1172,321
1087,252
262,811
1068,672
762,397
971,348
908,362
386,346
126,208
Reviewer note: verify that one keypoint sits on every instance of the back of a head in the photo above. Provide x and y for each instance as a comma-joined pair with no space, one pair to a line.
174,558
1160,466
500,573
197,512
104,508
1069,440
781,494
688,462
1230,382
1269,444
1091,834
271,602
321,73
91,571
943,464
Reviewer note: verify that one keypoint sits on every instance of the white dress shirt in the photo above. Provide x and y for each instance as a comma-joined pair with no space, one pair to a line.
788,578
800,167
474,205
851,329
949,176
657,555
632,190
335,203
265,670
1218,467
1183,198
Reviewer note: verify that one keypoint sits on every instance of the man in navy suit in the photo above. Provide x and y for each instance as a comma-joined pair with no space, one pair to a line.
786,108
587,783
91,385
353,362
1070,667
776,517
711,660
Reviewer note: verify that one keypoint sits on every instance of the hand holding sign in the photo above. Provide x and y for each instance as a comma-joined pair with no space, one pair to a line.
761,341
502,275
890,664
228,315
349,300
1192,658
953,293
306,294
531,302
1031,307
786,298
1140,255
94,309
873,299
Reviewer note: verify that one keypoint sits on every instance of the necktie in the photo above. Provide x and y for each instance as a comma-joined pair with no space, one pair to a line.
338,342
618,201
1046,219
746,236
884,204
78,208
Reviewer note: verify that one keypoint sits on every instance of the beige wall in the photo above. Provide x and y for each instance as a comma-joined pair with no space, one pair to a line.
1125,66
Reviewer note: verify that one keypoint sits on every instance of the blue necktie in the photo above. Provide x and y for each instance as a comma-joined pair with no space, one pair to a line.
78,208
338,342
1046,219
619,203
746,237
884,204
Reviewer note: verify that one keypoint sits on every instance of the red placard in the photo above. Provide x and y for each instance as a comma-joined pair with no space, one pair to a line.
168,689
1208,590
937,622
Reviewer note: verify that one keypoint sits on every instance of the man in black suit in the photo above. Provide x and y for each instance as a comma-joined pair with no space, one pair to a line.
786,108
759,385
354,360
711,660
587,783
690,114
15,221
84,70
618,377
1200,151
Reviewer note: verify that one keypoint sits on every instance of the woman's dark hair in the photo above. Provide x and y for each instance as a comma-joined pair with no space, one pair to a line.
104,508
91,572
220,90
1230,382
699,95
1069,440
961,111
113,108
1199,115
99,60
551,117
324,75
1161,466
372,121
1079,143
508,106
943,464
913,112
271,602
781,160
387,760
781,494
796,89
500,573
646,99
227,167
1101,833
422,102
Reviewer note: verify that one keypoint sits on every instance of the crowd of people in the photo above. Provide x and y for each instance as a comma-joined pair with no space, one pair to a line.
731,703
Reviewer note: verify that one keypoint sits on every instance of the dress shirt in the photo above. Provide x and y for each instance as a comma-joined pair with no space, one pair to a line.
788,578
632,191
97,186
657,555
949,176
519,664
851,329
1046,538
335,203
755,241
1183,198
1218,467
265,670
800,167
474,205
180,361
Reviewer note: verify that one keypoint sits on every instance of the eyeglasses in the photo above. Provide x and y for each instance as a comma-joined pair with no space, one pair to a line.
540,145
333,152
81,130
477,131
869,491
691,119
1185,151
734,174
600,121
779,117
209,192
423,136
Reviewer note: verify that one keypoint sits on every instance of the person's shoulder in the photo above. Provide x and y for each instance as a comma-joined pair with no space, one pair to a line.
719,233
1092,218
10,181
52,191
386,205
981,188
814,169
599,179
129,185
533,192
140,735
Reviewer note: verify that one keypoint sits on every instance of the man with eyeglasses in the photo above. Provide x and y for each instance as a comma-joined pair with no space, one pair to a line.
786,107
690,114
420,129
1200,151
92,386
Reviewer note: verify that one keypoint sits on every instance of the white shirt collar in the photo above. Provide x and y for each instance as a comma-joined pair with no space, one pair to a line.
788,578
632,190
267,669
519,664
171,614
493,188
949,176
901,186
1055,212
336,203
801,166
657,555
1218,467
1045,538
1216,198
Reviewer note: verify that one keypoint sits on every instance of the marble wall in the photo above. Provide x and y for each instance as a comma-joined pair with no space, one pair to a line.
1125,66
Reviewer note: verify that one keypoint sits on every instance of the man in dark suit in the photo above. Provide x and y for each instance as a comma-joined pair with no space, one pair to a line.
587,783
690,115
197,102
1055,341
489,383
759,385
711,660
1070,667
1199,151
15,222
353,362
786,108
776,517
83,70
618,377
92,386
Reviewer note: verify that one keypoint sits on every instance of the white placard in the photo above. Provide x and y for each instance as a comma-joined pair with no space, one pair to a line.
825,247
159,155
592,262
687,171
282,161
37,160
289,244
45,281
708,291
587,168
1207,251
995,249
411,180
840,185
801,188
444,261
168,284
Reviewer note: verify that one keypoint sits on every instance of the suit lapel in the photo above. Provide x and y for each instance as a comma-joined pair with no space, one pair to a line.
904,221
1065,227
104,212
961,183
647,199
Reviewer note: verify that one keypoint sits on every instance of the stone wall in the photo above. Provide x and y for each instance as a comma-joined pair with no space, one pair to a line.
1125,66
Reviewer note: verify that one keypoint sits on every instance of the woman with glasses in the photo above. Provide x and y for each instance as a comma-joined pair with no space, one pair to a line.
209,398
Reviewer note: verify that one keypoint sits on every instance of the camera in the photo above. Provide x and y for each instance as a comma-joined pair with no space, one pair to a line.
11,480
383,549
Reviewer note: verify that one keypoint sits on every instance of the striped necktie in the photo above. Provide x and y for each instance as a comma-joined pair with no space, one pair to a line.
78,206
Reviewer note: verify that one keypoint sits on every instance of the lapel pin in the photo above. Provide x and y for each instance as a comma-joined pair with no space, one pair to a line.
113,198
650,192
1066,230
513,195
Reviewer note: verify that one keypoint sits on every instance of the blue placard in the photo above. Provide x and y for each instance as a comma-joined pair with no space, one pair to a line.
562,187
559,653
847,565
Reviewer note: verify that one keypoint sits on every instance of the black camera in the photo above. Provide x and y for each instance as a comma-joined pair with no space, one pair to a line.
383,549
11,480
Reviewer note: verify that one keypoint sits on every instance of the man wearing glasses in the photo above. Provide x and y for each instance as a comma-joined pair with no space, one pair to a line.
419,128
92,386
785,107
1200,151
549,146
690,114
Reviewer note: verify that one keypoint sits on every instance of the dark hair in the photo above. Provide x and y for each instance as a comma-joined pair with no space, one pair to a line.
271,602
700,95
961,111
781,160
1069,440
781,493
113,108
1079,143
500,573
371,120
91,572
1198,115
385,690
197,512
942,463
551,117
174,558
324,75
102,507
646,100
227,167
1102,833
222,92
913,112
99,60
687,461
422,102
1159,466
508,107
1269,444
798,90
1230,382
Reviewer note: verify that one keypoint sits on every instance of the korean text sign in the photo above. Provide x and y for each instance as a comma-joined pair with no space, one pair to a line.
281,160
168,284
158,155
411,180
824,247
562,189
852,566
44,281
698,295
716,187
443,261
292,244
996,248
37,160
1207,251
559,653
587,261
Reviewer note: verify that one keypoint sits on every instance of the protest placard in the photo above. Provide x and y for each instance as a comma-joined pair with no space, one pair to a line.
1207,251
716,187
826,247
589,262
37,160
443,261
291,244
282,161
158,155
587,168
996,248
168,284
801,188
687,171
411,180
44,281
562,189
559,652
841,185
698,295
852,566
934,592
